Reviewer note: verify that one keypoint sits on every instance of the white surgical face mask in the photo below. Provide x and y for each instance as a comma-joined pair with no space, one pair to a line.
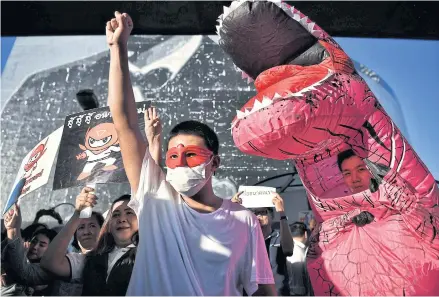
186,180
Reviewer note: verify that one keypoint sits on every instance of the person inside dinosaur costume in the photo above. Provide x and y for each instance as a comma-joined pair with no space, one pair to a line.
313,108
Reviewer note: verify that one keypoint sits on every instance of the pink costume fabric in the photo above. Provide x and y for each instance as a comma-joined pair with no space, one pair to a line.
311,111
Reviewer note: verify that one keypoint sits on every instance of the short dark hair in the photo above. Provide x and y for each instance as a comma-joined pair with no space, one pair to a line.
29,231
49,233
100,220
197,129
343,156
298,229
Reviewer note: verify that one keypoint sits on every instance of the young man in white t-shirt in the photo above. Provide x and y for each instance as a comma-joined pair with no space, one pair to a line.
191,241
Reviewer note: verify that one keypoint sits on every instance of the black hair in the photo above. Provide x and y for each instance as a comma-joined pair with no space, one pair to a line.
28,232
270,210
106,241
343,156
197,129
298,229
100,220
49,233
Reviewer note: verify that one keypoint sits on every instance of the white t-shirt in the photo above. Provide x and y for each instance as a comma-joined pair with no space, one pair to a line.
77,261
184,252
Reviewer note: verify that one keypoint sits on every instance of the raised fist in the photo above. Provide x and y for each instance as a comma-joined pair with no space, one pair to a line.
13,218
118,30
278,202
85,199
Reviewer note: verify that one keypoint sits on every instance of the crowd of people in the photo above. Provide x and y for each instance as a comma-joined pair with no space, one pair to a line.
172,235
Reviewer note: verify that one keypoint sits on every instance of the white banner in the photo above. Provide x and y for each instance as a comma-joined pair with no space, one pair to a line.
255,196
36,167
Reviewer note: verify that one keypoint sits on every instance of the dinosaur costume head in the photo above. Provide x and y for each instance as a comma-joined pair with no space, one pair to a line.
309,95
310,106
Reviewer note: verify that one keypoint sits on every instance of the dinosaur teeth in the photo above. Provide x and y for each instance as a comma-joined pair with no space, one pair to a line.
218,28
244,75
296,17
266,101
276,96
249,80
311,26
240,114
304,22
258,105
235,4
226,12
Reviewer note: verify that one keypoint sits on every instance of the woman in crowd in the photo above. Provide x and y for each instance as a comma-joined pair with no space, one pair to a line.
30,272
87,233
106,270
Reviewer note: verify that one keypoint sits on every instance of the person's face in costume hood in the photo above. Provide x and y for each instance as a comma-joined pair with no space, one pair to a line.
355,174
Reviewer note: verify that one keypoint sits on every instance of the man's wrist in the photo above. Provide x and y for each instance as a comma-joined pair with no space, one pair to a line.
153,140
118,48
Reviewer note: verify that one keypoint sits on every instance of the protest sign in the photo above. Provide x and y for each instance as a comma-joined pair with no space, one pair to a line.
35,168
89,151
256,196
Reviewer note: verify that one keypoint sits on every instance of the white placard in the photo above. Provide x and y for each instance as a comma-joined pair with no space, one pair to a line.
255,196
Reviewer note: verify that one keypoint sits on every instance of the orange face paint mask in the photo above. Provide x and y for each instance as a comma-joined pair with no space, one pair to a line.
187,156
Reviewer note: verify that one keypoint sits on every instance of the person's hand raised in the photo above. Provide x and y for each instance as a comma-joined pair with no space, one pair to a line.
13,218
85,199
118,29
153,127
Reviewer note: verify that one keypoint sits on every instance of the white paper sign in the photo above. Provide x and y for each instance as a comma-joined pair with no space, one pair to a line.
255,196
37,165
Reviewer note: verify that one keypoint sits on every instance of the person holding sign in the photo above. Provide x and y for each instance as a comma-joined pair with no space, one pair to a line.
279,245
191,241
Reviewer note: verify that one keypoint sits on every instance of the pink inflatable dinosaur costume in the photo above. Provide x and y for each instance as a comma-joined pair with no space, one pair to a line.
310,106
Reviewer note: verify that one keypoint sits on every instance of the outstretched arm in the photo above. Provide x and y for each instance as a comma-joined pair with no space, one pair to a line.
153,130
54,259
286,239
121,98
15,256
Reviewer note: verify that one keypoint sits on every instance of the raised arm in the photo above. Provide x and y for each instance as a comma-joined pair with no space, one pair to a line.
153,130
286,239
121,98
15,256
54,259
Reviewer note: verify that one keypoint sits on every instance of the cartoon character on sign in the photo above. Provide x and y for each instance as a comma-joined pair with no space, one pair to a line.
32,163
100,141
